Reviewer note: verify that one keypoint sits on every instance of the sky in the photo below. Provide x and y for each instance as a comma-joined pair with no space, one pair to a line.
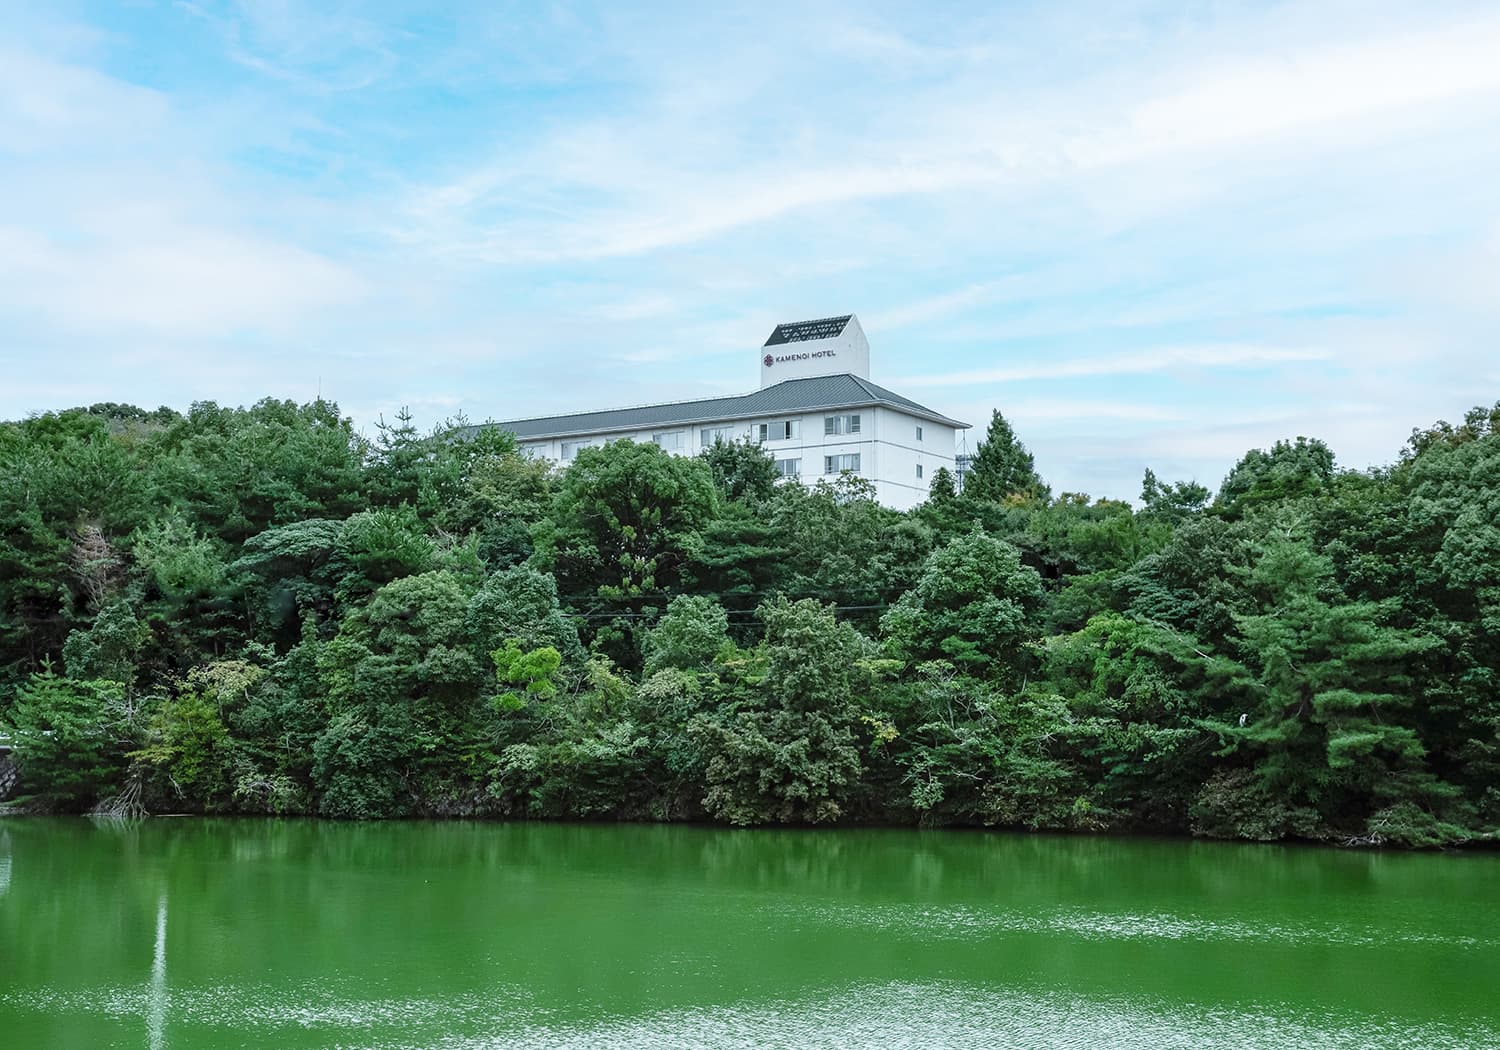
1152,235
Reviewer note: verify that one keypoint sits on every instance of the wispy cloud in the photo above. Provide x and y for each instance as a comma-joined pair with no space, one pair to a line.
1127,363
1136,229
647,192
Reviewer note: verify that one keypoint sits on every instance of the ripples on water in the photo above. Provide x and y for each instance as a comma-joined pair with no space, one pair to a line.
963,922
478,938
887,1016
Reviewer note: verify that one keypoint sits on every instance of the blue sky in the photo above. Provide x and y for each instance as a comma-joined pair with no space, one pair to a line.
1151,234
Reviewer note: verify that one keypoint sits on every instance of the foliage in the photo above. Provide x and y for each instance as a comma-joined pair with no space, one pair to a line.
742,470
622,514
261,611
529,672
1289,470
70,738
783,750
971,606
693,631
1002,468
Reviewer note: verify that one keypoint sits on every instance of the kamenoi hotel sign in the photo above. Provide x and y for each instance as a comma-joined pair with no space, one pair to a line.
770,360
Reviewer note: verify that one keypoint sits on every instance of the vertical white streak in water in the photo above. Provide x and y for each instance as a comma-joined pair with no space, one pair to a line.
156,1015
4,862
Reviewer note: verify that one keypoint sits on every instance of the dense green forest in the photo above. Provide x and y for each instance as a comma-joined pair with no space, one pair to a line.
262,611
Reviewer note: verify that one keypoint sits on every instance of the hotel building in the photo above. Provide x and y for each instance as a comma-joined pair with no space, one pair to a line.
816,413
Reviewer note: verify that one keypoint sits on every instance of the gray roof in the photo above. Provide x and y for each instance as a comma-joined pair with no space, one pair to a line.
792,395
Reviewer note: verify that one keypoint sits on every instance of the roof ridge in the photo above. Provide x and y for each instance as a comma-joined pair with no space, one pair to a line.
822,392
636,407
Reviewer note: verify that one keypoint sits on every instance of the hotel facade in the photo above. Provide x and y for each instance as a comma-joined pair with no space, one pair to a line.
817,413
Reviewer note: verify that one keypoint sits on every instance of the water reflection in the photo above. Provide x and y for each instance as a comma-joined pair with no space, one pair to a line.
156,1003
464,936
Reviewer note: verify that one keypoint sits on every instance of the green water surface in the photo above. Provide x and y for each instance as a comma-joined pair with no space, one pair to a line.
189,933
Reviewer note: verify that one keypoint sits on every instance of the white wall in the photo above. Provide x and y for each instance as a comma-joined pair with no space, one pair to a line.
847,352
887,445
900,453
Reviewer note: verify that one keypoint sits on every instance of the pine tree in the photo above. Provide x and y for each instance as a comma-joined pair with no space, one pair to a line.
943,487
1002,467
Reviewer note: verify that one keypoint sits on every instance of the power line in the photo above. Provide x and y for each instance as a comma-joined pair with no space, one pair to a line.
743,614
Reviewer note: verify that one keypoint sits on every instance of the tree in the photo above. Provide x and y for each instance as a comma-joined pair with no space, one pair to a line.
70,490
693,631
1288,471
1327,702
784,749
743,471
842,545
1002,468
178,562
521,604
944,487
70,738
528,674
190,749
109,648
969,753
1132,691
404,690
237,471
1171,502
622,516
378,546
970,606
738,557
292,570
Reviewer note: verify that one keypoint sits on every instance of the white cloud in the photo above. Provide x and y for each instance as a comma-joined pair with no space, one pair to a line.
1249,100
1131,362
1071,410
652,184
46,105
167,277
639,308
1261,197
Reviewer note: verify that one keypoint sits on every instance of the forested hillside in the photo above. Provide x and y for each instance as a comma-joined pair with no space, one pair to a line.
258,610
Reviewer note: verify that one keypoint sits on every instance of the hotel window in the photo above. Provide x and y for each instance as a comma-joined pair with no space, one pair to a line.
670,440
838,464
919,438
788,468
781,430
570,449
841,424
919,470
711,434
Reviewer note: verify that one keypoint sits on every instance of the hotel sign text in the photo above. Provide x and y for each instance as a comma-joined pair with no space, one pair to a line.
770,359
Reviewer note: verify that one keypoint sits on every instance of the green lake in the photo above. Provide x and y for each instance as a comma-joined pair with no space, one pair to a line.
258,933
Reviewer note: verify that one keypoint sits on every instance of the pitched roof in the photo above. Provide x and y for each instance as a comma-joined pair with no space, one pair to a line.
792,395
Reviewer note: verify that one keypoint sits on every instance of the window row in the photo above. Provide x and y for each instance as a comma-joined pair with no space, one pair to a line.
779,430
792,468
786,468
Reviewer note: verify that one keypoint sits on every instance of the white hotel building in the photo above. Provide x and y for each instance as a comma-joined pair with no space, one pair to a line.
816,412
